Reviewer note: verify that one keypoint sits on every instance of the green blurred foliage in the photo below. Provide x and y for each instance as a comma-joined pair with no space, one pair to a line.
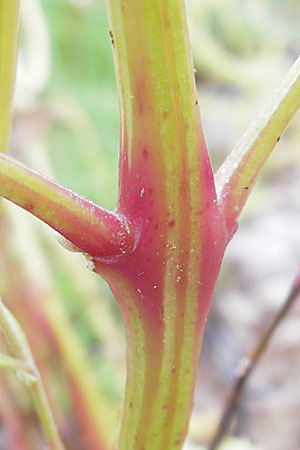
85,156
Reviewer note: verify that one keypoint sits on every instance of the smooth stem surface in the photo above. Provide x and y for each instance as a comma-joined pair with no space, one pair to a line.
9,33
20,349
237,175
166,190
91,228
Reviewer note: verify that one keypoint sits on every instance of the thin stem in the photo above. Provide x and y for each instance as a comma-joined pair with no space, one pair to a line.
9,33
19,347
8,362
95,414
237,175
249,363
92,407
45,415
89,227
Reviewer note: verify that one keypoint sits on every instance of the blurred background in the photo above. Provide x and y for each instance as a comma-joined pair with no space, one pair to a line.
66,126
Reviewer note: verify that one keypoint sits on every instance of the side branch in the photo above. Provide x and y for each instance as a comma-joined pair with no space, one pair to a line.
238,173
92,229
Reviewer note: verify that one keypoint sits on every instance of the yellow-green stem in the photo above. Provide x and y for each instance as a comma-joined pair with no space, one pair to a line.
166,190
237,175
9,32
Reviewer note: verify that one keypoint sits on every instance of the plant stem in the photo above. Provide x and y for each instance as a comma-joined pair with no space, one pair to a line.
95,414
237,175
20,349
9,33
89,227
166,190
249,363
7,362
93,408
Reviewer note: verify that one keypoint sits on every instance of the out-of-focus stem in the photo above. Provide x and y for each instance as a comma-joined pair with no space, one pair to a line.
216,62
93,408
249,363
20,349
95,414
9,33
16,432
8,362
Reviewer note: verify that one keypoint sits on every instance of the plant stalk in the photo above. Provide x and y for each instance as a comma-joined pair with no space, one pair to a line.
90,228
237,175
20,350
166,191
9,36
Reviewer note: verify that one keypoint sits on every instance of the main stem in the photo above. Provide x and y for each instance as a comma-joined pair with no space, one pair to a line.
166,190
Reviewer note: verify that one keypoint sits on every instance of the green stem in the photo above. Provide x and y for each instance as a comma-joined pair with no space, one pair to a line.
89,227
93,405
96,415
237,175
9,33
20,349
7,362
166,190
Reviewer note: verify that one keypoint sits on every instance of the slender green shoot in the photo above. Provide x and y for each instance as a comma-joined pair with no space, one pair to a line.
20,349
